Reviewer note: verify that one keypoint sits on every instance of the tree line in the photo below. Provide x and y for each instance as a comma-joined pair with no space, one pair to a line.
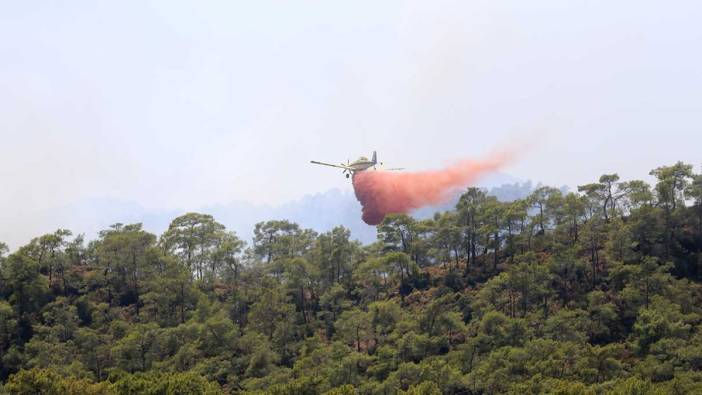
592,291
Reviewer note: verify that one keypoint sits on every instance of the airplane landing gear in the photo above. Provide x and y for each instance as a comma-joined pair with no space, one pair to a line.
347,176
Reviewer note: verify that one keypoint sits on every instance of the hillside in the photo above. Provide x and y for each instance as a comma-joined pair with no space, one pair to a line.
594,291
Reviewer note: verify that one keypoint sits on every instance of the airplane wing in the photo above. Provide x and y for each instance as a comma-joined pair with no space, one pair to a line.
390,168
330,165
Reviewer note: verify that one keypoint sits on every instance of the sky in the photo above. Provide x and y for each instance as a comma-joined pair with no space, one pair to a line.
179,105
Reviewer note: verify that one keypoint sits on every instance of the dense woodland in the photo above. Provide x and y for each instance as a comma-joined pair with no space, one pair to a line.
594,291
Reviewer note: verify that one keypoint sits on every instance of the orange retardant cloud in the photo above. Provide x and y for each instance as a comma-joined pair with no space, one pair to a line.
385,192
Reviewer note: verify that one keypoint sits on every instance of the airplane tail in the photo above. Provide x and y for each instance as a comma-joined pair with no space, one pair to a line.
375,158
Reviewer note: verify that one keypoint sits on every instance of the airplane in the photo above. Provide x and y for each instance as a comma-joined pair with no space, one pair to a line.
361,164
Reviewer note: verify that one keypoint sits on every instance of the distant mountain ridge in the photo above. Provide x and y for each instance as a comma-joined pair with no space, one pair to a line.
320,211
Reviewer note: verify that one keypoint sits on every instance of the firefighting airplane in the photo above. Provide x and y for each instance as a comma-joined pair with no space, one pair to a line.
360,164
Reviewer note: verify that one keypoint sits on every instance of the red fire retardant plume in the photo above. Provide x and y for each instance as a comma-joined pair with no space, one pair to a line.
384,192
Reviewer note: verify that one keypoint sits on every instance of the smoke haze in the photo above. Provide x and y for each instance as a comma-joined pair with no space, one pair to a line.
193,107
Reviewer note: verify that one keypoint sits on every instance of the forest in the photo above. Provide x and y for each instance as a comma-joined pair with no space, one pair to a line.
594,291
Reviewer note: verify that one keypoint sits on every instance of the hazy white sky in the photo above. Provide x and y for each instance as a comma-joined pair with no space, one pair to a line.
182,104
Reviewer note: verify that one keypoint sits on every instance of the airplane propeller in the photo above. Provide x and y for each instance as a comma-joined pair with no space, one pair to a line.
346,172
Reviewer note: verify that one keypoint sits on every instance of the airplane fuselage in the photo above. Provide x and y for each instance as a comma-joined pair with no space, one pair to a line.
361,164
